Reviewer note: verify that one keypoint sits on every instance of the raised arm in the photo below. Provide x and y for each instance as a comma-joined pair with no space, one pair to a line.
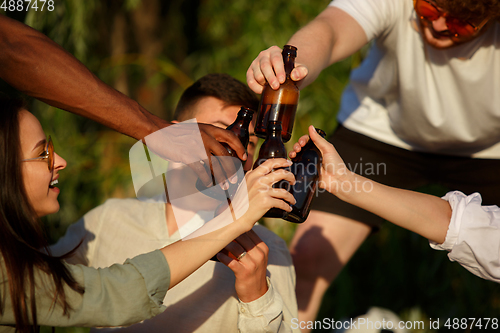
35,65
332,36
38,67
427,215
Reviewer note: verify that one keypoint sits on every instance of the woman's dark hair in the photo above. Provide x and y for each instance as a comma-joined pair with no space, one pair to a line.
23,246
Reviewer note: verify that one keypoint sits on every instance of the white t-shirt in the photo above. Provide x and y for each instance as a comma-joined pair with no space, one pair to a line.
408,94
473,237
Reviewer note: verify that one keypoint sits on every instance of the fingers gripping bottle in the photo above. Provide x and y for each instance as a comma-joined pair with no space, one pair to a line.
240,127
280,105
273,147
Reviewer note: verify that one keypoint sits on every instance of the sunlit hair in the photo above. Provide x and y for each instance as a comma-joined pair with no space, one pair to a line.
218,85
475,10
23,246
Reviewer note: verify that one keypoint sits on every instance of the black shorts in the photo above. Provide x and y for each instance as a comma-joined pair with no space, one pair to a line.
407,169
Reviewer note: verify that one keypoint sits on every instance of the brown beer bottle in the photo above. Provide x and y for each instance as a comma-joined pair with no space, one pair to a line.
280,105
240,127
305,167
273,147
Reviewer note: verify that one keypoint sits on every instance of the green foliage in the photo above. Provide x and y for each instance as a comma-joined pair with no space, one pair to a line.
68,25
394,268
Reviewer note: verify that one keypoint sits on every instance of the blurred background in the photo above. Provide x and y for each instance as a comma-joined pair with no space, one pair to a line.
151,50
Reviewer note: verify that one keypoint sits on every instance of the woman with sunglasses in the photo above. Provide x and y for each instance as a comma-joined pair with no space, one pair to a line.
39,289
422,106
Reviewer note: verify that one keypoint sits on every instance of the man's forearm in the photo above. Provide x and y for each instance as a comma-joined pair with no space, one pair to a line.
38,67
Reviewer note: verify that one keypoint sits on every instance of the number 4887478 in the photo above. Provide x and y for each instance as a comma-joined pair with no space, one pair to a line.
472,323
25,5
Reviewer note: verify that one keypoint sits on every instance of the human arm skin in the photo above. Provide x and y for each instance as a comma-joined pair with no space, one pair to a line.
332,36
184,257
38,67
424,214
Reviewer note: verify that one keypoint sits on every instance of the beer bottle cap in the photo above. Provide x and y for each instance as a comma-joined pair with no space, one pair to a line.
320,132
244,111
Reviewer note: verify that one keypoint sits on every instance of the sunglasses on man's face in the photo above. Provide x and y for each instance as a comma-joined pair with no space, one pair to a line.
48,154
458,28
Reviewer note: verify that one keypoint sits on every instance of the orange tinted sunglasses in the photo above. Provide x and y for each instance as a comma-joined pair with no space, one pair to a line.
458,28
47,154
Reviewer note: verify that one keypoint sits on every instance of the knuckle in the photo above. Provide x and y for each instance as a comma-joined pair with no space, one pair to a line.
266,201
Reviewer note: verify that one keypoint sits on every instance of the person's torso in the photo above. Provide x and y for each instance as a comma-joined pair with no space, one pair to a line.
206,300
409,94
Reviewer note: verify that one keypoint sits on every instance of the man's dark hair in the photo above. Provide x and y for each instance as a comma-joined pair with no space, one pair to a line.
221,86
471,9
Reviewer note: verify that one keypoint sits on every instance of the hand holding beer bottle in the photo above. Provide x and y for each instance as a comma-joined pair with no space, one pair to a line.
281,104
240,127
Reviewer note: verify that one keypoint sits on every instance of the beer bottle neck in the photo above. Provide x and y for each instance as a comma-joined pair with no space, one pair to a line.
289,62
243,120
275,134
289,54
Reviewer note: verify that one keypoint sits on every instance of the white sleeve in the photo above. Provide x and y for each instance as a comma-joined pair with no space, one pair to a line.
265,314
375,17
473,237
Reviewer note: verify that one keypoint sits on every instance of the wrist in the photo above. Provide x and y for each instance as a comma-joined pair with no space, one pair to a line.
252,290
245,223
351,185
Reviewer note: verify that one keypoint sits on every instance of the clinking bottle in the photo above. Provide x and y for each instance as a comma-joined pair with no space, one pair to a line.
280,105
305,167
240,127
273,147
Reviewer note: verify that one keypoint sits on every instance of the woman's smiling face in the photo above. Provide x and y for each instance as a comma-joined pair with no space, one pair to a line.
37,176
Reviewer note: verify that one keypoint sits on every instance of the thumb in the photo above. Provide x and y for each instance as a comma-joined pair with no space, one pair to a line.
324,146
331,159
299,72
